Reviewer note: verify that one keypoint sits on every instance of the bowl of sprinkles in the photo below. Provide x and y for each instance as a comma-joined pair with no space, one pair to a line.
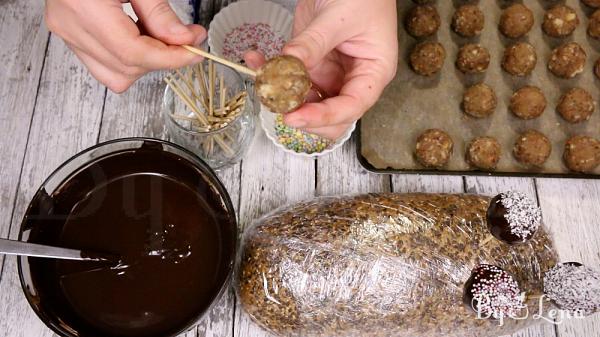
258,25
298,142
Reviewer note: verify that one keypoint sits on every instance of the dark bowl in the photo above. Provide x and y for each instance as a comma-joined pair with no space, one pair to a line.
45,216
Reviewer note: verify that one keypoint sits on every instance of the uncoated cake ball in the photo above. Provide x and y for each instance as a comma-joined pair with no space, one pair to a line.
516,21
528,102
283,83
594,25
473,58
468,21
519,59
423,20
582,154
479,101
484,153
568,60
427,58
532,148
576,105
560,21
434,148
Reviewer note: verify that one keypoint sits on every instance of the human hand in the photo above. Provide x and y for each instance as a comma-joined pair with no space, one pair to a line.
350,48
116,50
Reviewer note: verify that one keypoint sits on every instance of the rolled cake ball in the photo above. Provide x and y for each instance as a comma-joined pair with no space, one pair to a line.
597,68
479,101
568,60
576,105
592,3
484,153
573,287
513,218
560,21
434,148
528,102
493,293
472,58
519,59
516,21
532,148
427,58
283,83
594,25
582,154
468,21
423,20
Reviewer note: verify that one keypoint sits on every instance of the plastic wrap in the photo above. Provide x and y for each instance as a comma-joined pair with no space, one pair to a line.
381,265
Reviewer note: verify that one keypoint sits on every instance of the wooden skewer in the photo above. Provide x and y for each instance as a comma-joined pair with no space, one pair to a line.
225,62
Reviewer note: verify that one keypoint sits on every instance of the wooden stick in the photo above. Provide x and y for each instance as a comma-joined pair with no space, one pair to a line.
222,92
201,77
211,88
185,98
230,64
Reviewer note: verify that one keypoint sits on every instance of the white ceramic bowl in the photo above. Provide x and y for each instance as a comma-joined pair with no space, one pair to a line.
267,121
248,11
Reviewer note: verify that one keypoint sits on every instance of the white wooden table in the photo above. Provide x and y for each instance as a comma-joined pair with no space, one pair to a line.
51,108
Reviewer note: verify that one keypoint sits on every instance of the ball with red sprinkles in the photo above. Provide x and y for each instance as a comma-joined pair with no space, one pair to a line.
573,287
493,293
514,218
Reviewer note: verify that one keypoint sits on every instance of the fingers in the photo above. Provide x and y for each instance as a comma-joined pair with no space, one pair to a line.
331,132
152,54
161,22
114,81
254,59
322,35
360,91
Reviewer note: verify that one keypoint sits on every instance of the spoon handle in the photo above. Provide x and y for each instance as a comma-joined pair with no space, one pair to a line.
12,247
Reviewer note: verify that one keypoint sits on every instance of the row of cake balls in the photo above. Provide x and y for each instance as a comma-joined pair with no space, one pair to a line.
575,105
520,59
434,147
516,21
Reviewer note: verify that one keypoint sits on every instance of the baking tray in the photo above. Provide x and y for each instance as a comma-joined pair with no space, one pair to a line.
367,166
413,103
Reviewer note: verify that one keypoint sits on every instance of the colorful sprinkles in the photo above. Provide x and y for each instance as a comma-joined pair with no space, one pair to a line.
492,292
522,214
299,141
252,36
573,287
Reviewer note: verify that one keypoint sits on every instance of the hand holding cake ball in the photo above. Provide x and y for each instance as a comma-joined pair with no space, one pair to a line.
116,50
350,50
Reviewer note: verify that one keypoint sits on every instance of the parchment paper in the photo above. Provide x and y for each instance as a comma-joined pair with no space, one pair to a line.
413,103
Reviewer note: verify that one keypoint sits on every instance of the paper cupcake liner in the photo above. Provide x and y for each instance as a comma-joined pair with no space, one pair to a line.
267,122
239,13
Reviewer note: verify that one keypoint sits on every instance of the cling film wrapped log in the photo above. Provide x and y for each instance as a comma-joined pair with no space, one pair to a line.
382,265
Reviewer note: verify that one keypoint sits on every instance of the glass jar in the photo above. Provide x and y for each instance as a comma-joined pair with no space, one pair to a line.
220,146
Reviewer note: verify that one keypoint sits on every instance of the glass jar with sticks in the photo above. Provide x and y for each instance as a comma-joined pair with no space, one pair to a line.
208,110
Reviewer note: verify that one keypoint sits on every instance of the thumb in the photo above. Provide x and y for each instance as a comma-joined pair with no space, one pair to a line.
161,22
317,40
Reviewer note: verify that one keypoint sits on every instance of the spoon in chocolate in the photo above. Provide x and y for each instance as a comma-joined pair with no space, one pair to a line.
12,247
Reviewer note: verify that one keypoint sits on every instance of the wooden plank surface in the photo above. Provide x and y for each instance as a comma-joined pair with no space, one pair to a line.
69,117
571,210
66,120
24,40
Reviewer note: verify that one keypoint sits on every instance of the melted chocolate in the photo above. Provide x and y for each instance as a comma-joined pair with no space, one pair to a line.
169,226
